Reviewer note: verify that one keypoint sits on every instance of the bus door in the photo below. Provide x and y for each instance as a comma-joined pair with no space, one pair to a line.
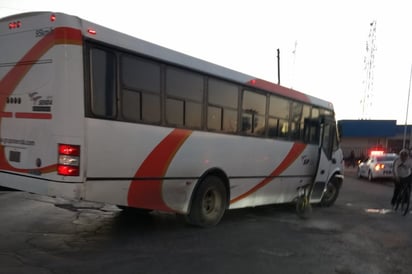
326,127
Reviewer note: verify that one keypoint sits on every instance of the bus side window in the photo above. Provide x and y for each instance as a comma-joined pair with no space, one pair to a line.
311,131
140,96
184,98
279,113
103,83
253,115
222,106
296,118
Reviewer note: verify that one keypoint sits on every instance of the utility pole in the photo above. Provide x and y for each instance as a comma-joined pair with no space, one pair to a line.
278,57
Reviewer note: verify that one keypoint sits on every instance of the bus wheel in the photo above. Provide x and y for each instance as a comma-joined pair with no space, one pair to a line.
331,193
208,203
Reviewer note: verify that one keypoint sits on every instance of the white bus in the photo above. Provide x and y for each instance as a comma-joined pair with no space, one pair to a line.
89,113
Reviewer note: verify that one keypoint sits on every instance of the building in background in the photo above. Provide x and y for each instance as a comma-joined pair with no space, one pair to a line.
363,136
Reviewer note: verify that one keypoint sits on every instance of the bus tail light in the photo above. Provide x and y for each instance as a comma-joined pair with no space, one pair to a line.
69,160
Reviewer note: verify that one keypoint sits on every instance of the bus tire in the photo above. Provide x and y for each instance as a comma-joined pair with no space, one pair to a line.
331,193
208,203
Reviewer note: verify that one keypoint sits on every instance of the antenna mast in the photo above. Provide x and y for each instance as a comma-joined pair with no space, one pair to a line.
369,66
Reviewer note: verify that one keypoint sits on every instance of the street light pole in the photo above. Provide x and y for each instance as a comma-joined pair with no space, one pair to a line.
407,110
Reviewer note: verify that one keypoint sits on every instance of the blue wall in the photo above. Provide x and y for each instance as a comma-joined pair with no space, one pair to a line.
369,128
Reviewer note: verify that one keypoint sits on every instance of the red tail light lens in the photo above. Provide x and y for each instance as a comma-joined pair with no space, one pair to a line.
68,160
67,170
69,150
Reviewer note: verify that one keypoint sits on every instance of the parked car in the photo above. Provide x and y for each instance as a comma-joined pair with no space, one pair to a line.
377,166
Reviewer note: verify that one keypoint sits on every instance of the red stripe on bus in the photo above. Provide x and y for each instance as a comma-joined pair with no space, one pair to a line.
293,154
48,169
6,114
68,36
61,35
29,115
148,193
272,87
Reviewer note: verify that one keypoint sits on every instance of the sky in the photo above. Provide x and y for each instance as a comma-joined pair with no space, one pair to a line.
322,43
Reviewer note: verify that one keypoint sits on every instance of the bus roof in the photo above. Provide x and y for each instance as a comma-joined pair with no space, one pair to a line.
114,38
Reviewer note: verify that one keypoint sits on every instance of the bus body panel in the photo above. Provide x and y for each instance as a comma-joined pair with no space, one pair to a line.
38,185
42,100
178,172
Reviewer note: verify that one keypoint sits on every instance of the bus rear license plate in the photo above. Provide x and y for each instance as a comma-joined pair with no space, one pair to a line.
14,156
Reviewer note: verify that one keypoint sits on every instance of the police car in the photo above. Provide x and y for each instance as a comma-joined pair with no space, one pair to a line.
378,165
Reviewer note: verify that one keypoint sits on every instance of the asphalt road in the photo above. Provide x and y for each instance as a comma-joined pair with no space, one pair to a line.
358,235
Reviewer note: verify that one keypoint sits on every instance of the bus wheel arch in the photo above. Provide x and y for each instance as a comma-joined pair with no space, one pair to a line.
209,199
332,190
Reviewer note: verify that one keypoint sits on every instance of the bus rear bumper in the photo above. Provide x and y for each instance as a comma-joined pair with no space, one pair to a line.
41,186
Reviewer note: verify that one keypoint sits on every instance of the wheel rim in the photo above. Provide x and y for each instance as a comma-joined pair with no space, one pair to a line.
211,202
330,192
